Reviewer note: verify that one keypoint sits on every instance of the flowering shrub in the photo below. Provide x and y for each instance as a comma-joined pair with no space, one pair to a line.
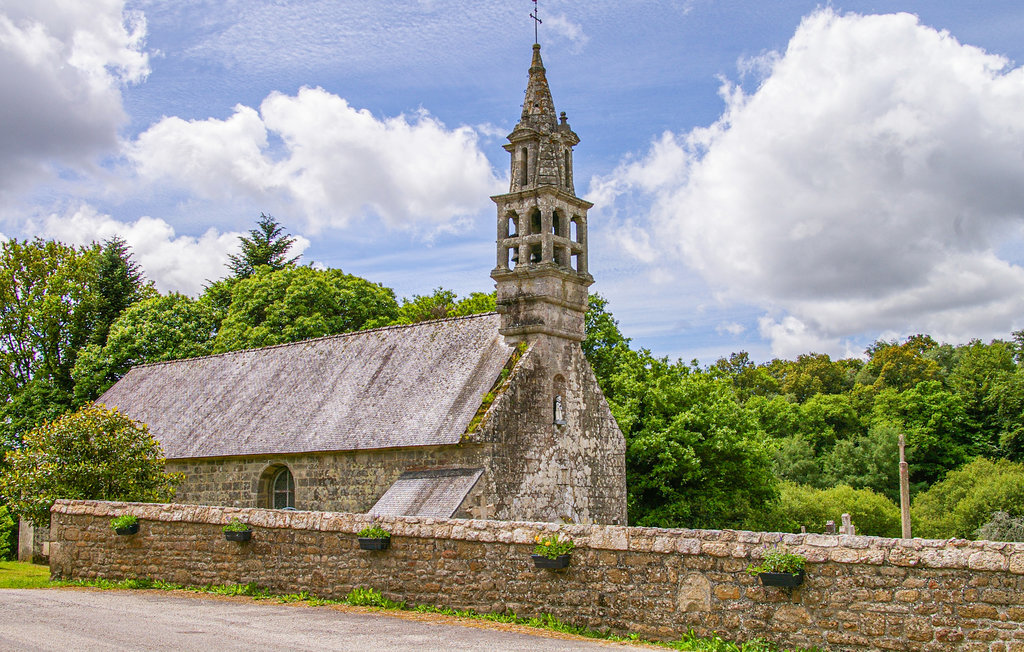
553,545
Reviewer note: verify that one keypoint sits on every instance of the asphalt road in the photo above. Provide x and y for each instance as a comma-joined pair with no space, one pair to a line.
73,619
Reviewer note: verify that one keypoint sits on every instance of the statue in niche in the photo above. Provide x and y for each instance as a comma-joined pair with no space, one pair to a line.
559,413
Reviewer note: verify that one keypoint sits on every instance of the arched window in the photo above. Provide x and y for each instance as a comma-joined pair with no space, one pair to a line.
282,490
524,167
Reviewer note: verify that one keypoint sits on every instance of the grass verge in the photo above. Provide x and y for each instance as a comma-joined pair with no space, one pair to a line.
20,575
368,597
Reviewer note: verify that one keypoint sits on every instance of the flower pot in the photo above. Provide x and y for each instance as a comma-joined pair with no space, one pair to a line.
366,543
238,535
561,561
781,579
126,531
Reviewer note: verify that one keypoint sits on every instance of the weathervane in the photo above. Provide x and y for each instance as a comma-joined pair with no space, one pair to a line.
536,21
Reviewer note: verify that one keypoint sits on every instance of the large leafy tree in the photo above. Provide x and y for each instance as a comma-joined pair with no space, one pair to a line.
440,304
266,245
694,456
46,317
94,453
154,330
297,303
967,498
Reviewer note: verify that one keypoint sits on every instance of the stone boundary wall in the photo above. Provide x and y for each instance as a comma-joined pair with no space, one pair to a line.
859,593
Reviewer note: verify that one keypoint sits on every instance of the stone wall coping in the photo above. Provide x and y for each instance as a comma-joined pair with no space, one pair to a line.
739,544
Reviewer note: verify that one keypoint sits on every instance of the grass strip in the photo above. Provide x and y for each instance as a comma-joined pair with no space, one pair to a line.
369,597
21,575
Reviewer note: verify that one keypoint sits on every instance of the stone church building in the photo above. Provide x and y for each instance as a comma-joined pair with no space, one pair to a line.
493,416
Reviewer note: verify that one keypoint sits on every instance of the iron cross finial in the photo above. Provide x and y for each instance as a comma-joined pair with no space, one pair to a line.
536,21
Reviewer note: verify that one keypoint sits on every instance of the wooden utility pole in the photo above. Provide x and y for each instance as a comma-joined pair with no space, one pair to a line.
904,490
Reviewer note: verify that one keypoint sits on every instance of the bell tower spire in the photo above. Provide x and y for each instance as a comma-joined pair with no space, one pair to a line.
541,272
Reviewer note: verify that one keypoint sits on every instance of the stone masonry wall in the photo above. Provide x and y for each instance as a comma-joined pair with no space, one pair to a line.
348,481
860,592
574,472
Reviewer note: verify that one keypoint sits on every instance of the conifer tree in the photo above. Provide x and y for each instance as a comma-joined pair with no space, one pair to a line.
267,244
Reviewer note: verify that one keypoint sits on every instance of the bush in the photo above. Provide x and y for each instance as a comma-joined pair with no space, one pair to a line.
965,500
801,505
8,544
1002,527
91,454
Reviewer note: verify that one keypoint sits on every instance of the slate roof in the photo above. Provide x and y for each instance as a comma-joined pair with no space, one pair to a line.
415,385
435,492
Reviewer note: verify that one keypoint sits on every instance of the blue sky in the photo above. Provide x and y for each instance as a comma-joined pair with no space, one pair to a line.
777,177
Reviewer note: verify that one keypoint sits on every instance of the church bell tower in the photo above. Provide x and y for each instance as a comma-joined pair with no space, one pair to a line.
541,272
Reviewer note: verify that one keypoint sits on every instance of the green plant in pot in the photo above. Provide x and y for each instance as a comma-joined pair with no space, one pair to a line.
374,537
552,551
125,524
779,568
236,530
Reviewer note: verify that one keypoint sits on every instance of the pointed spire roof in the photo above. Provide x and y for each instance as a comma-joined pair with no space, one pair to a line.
538,108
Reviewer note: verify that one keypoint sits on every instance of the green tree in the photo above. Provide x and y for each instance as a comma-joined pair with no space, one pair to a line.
795,460
441,304
118,283
1006,400
748,379
778,416
604,344
801,505
93,453
154,330
694,455
867,462
8,545
297,303
827,418
967,497
266,245
46,317
810,374
936,426
977,369
900,366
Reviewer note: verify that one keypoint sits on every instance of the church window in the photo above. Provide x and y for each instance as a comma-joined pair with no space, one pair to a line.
574,232
556,223
524,167
282,490
513,227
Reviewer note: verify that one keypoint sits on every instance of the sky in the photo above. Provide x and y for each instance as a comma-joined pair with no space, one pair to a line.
772,177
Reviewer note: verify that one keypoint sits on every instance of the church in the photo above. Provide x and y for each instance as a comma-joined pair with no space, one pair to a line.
493,416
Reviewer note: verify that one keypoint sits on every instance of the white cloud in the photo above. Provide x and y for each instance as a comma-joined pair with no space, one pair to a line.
63,64
336,162
567,29
732,328
865,186
173,262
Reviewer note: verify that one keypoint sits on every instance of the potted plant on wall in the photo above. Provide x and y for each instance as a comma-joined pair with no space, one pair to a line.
552,551
236,530
779,569
374,537
125,524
